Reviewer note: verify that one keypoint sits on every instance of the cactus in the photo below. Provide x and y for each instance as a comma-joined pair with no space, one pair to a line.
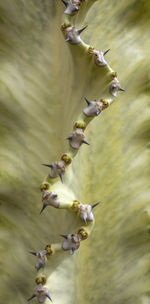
43,85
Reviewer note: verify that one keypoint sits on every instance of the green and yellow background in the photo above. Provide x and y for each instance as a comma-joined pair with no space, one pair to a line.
43,82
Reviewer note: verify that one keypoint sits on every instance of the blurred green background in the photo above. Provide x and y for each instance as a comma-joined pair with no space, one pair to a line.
42,89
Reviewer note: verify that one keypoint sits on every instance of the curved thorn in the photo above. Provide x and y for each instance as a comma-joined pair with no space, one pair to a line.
64,2
85,142
64,236
93,206
104,53
121,89
44,206
80,31
33,296
61,177
34,253
87,101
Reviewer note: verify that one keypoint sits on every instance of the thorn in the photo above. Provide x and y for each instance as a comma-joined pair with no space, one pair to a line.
54,195
87,101
48,296
85,221
61,177
75,9
67,39
33,296
40,266
69,137
121,89
97,112
93,206
50,166
80,31
85,142
64,2
106,52
113,86
34,253
64,236
97,204
72,251
44,206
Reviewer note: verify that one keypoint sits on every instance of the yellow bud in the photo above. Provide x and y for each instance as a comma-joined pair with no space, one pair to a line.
75,205
48,249
104,101
82,233
114,74
40,280
90,49
65,25
80,125
67,159
45,186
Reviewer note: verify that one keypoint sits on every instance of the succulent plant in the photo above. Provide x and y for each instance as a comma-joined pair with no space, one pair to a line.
76,139
43,84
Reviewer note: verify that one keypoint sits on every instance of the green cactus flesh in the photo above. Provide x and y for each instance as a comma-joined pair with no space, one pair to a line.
43,82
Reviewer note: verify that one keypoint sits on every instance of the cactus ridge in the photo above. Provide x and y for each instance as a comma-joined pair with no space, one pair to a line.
93,108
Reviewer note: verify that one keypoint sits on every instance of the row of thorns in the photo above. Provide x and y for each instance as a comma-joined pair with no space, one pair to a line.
57,169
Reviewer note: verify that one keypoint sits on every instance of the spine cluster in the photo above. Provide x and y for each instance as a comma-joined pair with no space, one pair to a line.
50,197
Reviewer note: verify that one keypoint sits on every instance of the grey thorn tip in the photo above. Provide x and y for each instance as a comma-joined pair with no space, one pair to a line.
67,39
80,31
87,101
69,137
93,206
50,166
106,52
33,296
48,296
38,267
64,236
85,142
44,206
61,177
54,195
34,253
72,251
97,112
121,89
76,9
85,221
64,2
